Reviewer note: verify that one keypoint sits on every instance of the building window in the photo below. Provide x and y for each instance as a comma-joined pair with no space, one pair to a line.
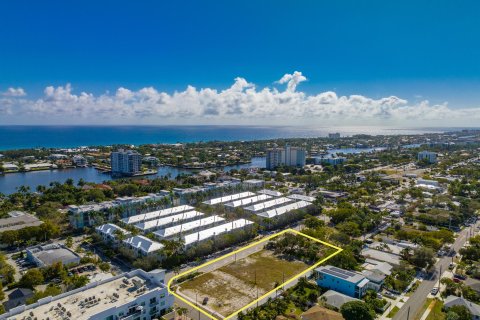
153,300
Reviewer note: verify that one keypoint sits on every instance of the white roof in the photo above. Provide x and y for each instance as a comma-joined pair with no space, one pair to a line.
155,224
268,204
110,228
301,197
170,231
254,181
229,198
223,228
245,201
143,244
155,214
271,192
279,211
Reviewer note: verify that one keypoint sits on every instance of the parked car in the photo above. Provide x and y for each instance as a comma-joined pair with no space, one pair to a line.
434,291
459,276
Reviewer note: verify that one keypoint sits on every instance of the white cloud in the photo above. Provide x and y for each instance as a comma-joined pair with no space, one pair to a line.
292,80
14,92
241,103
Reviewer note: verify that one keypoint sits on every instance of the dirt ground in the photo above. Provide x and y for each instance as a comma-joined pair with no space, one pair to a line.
233,286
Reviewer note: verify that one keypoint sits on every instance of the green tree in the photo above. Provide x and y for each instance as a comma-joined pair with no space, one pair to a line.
31,278
356,310
461,311
69,242
423,257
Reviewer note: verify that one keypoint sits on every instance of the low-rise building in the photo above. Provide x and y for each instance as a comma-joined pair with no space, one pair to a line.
136,295
46,255
9,166
321,313
58,156
329,159
254,183
18,220
351,283
17,298
335,299
142,246
81,216
79,161
110,232
474,308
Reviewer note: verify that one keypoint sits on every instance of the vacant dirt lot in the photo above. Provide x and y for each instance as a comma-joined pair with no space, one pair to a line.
233,286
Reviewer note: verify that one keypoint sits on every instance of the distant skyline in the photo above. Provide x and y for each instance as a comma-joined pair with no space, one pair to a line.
411,63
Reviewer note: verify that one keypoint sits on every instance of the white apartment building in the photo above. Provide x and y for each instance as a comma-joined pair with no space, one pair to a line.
142,246
79,161
109,232
136,295
127,162
288,156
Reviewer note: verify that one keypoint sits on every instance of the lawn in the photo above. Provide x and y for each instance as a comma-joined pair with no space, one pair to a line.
422,311
393,312
437,313
233,286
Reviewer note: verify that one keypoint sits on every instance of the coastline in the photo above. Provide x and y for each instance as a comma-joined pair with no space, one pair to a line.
31,137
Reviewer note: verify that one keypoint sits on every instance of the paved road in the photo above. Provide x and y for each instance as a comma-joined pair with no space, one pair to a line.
417,299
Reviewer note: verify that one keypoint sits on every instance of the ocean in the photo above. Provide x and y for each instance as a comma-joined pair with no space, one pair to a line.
21,137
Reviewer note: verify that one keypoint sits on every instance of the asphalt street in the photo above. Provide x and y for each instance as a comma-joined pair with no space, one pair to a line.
414,304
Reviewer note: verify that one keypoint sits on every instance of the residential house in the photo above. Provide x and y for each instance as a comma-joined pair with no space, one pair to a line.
351,283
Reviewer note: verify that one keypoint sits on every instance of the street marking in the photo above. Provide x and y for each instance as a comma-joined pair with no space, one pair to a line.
245,248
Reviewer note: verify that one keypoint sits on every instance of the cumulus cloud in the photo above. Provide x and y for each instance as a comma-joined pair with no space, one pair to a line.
292,80
14,92
242,102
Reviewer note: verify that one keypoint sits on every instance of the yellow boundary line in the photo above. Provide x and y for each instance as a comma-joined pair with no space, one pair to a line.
245,248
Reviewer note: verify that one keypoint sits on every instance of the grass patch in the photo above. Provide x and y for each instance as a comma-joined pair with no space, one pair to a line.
393,312
422,310
437,313
235,285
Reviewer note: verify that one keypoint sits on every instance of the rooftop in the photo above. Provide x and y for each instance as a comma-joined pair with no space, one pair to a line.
168,232
301,197
82,303
229,198
143,244
208,233
47,255
451,301
158,223
110,229
350,276
272,193
156,214
246,201
336,299
282,210
267,204
18,220
320,313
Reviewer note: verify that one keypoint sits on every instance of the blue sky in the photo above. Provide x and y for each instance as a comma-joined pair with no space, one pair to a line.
415,50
